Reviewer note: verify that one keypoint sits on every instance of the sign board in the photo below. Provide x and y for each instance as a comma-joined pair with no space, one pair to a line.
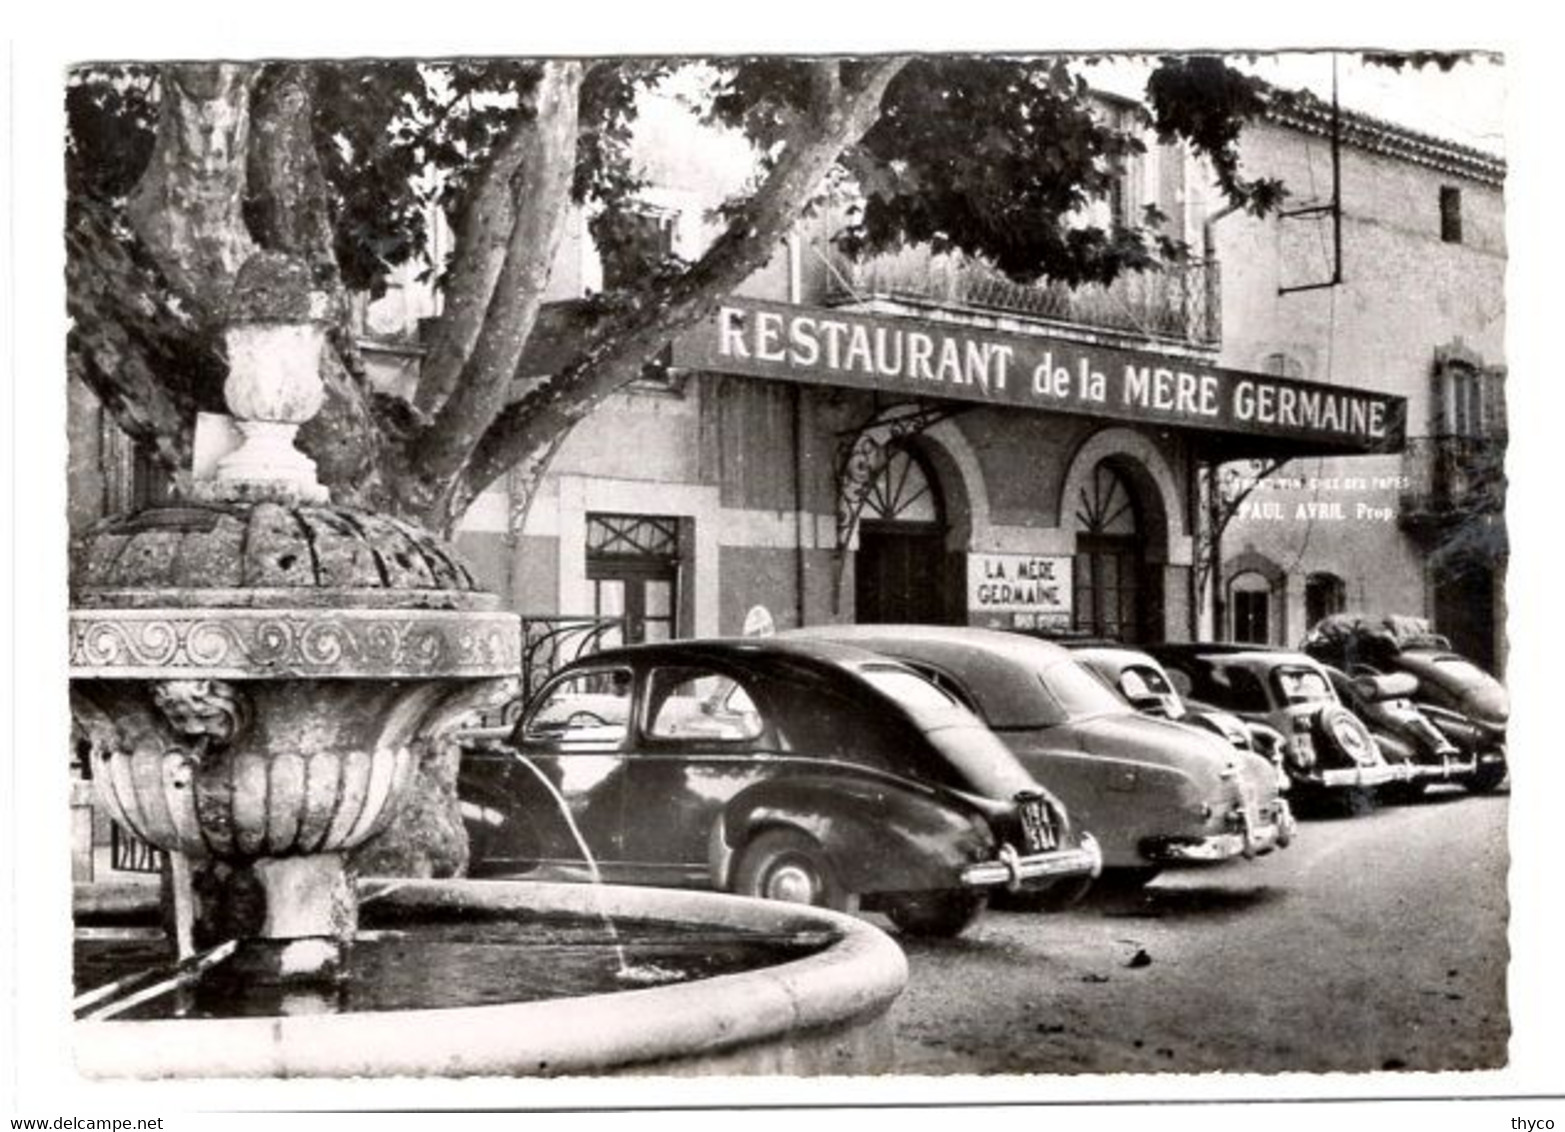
758,622
1035,589
922,357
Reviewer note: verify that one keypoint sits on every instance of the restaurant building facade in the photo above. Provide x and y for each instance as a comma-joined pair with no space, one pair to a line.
915,438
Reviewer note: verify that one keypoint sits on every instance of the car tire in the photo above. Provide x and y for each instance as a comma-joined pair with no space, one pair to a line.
1343,733
1487,778
942,914
783,864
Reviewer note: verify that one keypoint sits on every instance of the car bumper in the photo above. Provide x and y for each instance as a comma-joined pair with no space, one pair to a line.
1348,778
1253,838
1013,871
1445,769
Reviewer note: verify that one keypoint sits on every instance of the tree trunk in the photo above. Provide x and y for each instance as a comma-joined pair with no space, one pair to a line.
188,207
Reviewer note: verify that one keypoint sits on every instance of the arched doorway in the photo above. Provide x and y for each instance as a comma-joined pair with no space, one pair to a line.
1250,607
899,575
1112,594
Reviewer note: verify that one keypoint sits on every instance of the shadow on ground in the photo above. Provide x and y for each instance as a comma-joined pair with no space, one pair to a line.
1182,903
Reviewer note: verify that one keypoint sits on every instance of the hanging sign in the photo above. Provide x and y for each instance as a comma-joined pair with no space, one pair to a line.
1034,587
827,346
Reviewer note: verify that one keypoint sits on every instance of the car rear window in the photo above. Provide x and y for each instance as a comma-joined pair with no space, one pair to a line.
1137,682
1077,694
1301,685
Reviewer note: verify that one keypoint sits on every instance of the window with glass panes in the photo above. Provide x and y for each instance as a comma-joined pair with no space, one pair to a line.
633,566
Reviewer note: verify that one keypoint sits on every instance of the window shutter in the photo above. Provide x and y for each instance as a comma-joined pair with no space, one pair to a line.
1439,415
1496,421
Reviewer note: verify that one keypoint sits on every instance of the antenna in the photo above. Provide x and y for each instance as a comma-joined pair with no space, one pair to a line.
1334,206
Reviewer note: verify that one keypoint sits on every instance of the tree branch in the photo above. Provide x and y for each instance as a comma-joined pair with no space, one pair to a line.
147,361
289,204
483,229
618,346
1222,508
188,206
290,211
538,202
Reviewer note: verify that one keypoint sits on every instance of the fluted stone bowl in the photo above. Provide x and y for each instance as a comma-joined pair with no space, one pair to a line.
260,681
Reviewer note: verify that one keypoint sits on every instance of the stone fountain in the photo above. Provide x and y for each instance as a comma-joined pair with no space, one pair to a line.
257,674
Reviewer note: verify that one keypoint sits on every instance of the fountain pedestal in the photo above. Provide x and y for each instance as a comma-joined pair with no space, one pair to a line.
273,728
258,673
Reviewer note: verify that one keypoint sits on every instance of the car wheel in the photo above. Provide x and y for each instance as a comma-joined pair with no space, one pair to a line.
943,914
1343,732
782,864
1487,778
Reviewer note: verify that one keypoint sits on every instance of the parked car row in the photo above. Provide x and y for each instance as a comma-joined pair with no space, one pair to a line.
919,770
797,770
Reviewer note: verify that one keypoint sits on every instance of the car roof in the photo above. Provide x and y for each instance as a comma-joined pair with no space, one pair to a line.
1210,648
953,638
1258,656
745,652
998,669
1115,656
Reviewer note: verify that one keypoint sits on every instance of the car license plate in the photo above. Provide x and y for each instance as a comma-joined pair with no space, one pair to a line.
1037,825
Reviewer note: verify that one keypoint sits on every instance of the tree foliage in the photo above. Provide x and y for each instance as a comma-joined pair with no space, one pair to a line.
995,157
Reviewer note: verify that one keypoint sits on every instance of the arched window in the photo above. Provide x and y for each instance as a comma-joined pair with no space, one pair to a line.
1283,365
1250,599
902,493
1324,594
1108,569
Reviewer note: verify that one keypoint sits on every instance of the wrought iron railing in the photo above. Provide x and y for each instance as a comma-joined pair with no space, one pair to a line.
548,643
1448,475
1177,302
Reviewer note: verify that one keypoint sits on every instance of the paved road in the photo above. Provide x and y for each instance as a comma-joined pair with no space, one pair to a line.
1374,942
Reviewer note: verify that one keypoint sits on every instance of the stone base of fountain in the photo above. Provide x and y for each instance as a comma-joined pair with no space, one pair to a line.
823,1013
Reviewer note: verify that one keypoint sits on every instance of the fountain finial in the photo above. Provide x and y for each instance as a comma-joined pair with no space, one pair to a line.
277,322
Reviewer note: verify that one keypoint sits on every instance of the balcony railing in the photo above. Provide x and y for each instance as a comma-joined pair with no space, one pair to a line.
1446,477
1179,303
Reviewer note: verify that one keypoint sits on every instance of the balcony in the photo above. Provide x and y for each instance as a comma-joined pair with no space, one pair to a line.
1447,479
1180,304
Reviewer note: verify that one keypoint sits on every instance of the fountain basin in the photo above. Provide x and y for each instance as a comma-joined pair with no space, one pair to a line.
823,1013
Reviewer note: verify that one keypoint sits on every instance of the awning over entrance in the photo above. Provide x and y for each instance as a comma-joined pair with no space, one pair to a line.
1247,413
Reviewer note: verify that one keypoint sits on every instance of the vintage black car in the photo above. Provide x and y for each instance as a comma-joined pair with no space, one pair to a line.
1470,707
1327,749
795,770
1154,793
1403,731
